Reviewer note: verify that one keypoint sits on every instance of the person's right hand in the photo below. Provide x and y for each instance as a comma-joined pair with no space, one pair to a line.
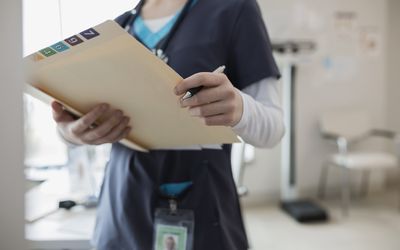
114,126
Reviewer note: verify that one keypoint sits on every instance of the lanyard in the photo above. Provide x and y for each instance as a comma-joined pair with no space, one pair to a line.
161,47
174,192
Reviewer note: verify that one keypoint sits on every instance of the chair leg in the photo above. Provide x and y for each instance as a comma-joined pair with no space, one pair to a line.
365,183
322,180
346,189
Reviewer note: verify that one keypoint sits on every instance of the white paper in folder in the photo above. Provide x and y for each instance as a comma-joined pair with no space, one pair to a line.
106,64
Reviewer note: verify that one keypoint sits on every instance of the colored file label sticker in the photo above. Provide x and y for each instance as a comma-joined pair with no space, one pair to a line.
48,52
38,57
89,34
60,47
73,40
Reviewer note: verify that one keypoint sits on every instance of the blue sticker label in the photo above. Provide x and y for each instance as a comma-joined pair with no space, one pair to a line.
60,47
89,34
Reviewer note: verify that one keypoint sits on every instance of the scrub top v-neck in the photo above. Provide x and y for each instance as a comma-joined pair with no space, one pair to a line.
152,38
214,33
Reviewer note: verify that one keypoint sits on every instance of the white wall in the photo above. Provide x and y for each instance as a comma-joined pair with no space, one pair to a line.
339,75
394,65
11,142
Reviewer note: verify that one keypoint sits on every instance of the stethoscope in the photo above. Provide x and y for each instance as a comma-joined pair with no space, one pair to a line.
161,47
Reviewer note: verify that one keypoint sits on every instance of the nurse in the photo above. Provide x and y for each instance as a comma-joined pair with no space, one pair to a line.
186,196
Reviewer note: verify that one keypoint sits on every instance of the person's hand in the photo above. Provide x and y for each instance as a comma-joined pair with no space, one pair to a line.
83,130
219,103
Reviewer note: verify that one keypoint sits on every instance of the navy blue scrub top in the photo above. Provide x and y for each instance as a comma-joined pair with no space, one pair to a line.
214,33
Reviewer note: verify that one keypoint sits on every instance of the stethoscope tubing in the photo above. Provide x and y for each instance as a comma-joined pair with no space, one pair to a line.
163,44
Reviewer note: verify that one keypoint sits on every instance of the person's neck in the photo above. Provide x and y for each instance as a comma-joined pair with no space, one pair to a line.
161,8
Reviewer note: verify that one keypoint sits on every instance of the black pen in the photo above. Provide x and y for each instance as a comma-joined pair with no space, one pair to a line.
191,92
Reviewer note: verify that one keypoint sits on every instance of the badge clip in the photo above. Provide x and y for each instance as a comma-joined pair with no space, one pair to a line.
173,206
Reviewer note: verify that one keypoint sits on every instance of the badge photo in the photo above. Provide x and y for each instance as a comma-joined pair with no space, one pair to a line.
171,237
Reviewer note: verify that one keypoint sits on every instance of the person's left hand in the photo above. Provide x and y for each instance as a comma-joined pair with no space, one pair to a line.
219,103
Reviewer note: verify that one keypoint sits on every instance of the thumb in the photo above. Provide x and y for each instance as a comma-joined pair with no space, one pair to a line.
59,114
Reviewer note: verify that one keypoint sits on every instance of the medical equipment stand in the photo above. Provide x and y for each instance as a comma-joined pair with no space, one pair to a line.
303,211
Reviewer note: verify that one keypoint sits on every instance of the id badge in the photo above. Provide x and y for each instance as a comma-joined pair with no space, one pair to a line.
173,230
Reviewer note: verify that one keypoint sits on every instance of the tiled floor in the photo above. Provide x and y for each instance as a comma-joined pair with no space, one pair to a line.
373,224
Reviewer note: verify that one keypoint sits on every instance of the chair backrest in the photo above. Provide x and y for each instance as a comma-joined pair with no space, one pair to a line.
349,124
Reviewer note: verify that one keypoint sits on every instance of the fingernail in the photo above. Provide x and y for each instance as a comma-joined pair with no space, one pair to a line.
183,103
193,112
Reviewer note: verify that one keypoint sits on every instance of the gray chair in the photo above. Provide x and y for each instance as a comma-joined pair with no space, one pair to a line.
348,129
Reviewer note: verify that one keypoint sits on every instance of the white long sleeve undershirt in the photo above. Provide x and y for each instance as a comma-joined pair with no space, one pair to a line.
261,124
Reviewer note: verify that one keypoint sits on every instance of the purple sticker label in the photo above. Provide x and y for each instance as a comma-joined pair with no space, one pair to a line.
73,40
89,34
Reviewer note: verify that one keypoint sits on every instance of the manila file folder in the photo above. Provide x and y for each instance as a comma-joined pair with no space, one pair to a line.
105,64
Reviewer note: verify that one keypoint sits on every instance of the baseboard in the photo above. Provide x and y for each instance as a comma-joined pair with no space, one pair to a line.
254,199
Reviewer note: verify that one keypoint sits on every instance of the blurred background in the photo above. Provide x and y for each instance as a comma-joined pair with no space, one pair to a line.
340,90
